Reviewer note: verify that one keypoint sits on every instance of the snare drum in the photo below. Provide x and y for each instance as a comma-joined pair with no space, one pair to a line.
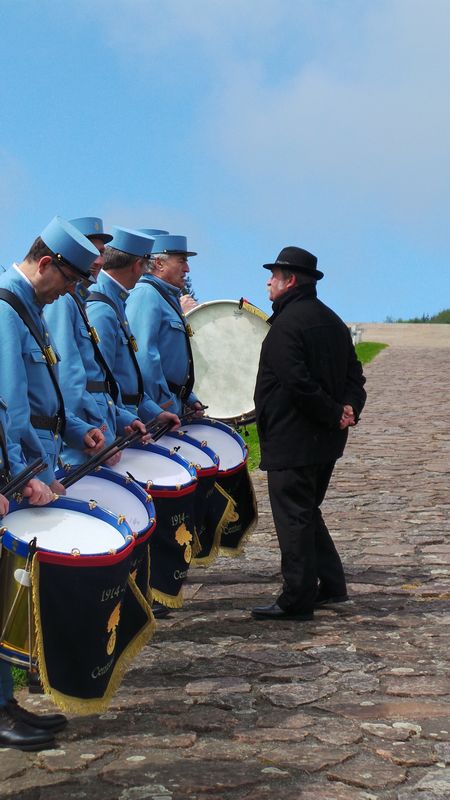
226,346
125,498
172,482
233,477
213,506
79,585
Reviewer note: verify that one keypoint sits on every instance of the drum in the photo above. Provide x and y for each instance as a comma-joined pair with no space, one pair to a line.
226,345
214,508
79,579
124,498
172,482
233,477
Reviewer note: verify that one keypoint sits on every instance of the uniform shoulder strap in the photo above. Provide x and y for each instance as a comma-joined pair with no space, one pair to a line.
46,349
131,341
98,355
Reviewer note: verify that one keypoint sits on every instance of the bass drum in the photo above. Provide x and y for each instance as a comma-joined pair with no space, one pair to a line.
226,344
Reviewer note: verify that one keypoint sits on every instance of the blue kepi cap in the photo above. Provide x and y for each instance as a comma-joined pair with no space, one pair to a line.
91,226
152,231
171,244
69,245
132,242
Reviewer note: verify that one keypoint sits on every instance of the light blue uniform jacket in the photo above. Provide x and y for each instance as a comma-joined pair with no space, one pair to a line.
77,367
16,464
159,331
114,345
27,386
15,457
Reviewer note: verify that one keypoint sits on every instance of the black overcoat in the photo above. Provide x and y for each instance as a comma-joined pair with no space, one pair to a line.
308,371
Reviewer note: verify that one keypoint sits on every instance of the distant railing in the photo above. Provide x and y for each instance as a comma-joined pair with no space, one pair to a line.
356,333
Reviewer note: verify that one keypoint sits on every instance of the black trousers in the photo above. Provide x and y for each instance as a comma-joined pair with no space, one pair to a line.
308,553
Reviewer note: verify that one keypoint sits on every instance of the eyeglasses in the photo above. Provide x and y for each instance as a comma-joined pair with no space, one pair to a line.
67,281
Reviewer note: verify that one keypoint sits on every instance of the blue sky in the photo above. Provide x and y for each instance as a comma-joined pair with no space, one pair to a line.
246,125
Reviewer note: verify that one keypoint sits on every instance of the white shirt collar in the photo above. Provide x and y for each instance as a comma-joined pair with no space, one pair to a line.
22,274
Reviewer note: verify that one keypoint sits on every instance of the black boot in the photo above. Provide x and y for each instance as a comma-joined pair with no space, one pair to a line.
21,736
47,722
160,611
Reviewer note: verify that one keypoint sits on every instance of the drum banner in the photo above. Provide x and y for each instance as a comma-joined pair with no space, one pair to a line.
91,620
140,566
238,484
171,544
214,510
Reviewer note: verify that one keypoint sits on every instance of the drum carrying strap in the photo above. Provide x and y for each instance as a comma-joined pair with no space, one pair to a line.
5,473
189,385
131,341
113,389
46,349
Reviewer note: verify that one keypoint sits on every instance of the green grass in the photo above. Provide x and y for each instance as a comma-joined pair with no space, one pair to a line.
366,351
19,677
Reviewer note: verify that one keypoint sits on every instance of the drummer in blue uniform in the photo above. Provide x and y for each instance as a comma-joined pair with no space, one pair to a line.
124,260
160,328
20,728
88,386
29,365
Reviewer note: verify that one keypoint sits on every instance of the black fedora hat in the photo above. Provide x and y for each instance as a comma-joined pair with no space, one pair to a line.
295,259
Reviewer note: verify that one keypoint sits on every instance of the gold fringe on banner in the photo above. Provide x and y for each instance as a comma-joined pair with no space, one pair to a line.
196,546
78,705
234,552
168,600
227,517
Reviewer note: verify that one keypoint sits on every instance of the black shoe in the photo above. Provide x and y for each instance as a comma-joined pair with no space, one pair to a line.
160,611
275,612
323,599
46,722
34,683
21,736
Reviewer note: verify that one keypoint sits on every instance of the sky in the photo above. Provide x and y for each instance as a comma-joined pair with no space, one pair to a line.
246,125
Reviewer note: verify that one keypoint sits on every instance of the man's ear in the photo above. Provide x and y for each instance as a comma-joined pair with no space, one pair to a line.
44,263
292,281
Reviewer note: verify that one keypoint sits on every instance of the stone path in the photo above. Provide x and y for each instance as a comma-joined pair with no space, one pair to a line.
352,706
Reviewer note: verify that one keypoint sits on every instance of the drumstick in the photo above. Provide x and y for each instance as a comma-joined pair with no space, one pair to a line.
119,444
18,482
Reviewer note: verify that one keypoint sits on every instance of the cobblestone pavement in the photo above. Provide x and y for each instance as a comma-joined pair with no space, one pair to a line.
352,706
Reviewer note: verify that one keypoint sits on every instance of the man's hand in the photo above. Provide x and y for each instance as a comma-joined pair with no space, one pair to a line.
167,418
57,487
138,425
38,493
348,418
94,441
114,459
198,408
187,303
4,505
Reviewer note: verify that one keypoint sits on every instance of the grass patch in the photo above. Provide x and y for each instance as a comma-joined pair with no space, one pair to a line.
365,351
19,678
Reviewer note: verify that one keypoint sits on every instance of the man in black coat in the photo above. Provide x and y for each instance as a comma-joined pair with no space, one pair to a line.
309,391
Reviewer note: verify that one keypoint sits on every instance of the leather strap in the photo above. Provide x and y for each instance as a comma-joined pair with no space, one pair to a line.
20,309
102,298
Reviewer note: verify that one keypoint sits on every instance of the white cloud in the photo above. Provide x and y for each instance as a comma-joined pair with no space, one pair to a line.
368,121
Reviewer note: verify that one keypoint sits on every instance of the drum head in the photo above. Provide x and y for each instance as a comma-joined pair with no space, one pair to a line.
62,530
157,466
117,499
226,346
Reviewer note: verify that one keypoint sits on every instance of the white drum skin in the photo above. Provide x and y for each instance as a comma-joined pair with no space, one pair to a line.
61,530
188,451
144,466
113,497
228,448
226,346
